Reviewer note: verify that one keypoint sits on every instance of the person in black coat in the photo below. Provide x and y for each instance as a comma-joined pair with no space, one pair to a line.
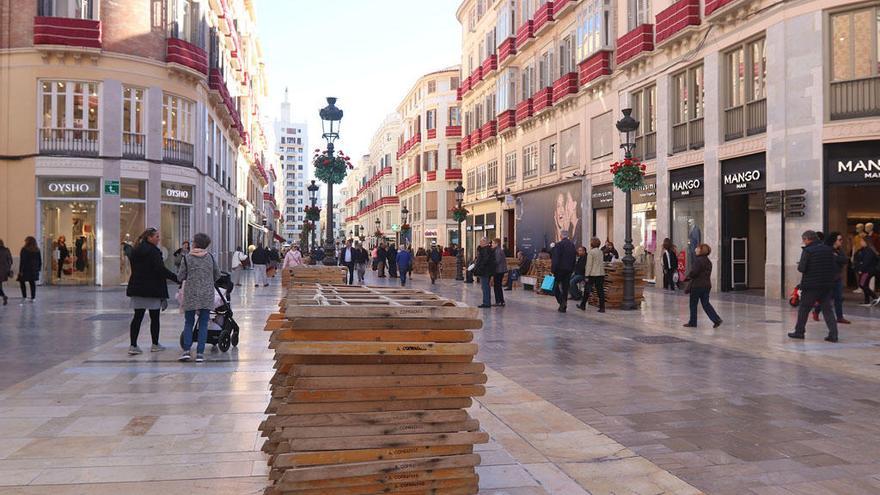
484,267
63,254
391,255
835,240
382,255
699,280
579,275
562,265
817,267
147,287
30,262
670,264
865,265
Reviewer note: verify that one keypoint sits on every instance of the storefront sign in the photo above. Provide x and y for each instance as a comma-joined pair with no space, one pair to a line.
647,193
69,187
853,170
541,216
602,197
686,183
172,192
430,233
111,187
743,174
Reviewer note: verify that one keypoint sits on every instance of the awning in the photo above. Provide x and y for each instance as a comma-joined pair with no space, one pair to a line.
279,238
258,227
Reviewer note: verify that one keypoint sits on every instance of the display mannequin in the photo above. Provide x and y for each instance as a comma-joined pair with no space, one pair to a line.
871,236
695,238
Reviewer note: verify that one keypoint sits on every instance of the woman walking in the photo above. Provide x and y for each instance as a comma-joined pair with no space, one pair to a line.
239,262
700,284
292,258
5,269
147,288
198,272
594,270
670,265
63,254
30,262
484,267
866,267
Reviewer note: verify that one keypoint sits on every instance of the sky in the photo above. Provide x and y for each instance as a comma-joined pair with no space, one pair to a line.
367,53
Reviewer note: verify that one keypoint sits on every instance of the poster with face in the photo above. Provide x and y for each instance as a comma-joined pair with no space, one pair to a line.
541,216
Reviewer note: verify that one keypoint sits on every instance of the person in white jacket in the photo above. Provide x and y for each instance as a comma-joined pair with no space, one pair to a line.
238,260
292,258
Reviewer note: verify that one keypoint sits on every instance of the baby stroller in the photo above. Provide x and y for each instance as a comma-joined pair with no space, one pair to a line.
222,328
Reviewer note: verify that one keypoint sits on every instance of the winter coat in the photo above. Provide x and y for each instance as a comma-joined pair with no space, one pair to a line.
148,273
361,255
484,264
260,256
563,256
700,274
435,256
29,265
866,260
392,256
500,260
595,263
63,253
199,271
5,264
840,262
817,267
610,254
404,260
670,263
580,266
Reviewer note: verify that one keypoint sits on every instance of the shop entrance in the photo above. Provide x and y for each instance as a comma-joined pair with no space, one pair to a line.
743,223
68,227
602,202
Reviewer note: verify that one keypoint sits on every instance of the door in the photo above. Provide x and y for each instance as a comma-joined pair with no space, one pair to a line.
739,263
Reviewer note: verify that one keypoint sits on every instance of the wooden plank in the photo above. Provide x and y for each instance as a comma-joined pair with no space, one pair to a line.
283,360
421,487
374,406
300,459
380,312
313,370
390,477
306,323
395,465
397,441
368,418
298,432
315,383
371,394
373,335
376,348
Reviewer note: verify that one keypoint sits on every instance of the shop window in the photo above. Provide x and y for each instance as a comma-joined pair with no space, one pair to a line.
644,106
855,56
133,129
530,161
76,9
593,28
745,103
177,134
69,118
688,94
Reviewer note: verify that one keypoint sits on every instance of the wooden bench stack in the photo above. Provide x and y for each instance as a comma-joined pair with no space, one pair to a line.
371,392
312,274
614,285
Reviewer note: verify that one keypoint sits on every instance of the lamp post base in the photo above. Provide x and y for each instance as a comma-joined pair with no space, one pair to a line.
629,270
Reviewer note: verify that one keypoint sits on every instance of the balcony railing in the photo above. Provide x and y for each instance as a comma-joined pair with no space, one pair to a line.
635,43
646,146
133,145
856,98
687,135
177,152
745,120
66,31
69,142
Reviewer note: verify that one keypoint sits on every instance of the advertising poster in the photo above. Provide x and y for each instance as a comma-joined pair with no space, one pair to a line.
541,216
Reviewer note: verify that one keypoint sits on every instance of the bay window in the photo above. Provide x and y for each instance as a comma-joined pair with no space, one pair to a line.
177,133
505,25
567,53
454,116
69,112
528,81
76,9
185,22
855,63
745,103
506,90
593,28
638,12
133,129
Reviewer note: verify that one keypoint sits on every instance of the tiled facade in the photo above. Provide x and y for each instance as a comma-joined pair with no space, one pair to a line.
736,98
149,121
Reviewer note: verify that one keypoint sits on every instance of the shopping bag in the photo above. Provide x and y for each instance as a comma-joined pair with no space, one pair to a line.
548,282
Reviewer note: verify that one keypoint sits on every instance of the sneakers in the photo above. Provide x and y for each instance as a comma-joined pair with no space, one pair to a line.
200,358
134,350
157,348
185,357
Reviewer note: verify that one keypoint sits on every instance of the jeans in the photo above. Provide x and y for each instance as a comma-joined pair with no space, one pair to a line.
33,289
808,298
434,270
510,276
487,290
837,297
403,274
701,296
865,284
599,284
560,288
350,266
188,320
135,327
361,271
381,269
260,275
499,287
575,290
236,275
668,281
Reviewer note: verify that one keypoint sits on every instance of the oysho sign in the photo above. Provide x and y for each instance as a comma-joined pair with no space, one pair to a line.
73,187
174,192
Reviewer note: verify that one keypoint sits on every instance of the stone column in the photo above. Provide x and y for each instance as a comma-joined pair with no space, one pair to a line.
664,227
586,211
711,166
795,82
108,243
154,153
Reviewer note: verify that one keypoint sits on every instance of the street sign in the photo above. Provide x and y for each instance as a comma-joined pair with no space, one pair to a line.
111,187
773,200
395,227
795,202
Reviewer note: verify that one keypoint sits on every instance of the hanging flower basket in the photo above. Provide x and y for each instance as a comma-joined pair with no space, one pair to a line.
459,213
628,174
313,213
331,169
405,228
378,234
308,226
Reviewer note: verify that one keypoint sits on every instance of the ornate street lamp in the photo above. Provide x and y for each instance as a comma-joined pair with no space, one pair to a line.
404,220
331,118
459,257
378,224
627,127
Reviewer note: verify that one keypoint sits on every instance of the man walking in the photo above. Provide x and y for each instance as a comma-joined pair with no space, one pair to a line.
817,284
382,256
434,259
500,270
346,259
260,259
361,256
403,261
562,265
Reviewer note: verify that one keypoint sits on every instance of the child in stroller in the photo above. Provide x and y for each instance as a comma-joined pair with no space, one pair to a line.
222,328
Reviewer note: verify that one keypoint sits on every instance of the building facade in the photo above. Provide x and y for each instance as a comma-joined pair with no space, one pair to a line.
428,162
292,143
736,99
116,116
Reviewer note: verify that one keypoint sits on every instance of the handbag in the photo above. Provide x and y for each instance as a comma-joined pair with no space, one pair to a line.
548,283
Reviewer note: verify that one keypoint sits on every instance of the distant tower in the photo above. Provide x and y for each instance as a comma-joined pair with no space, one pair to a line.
291,147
